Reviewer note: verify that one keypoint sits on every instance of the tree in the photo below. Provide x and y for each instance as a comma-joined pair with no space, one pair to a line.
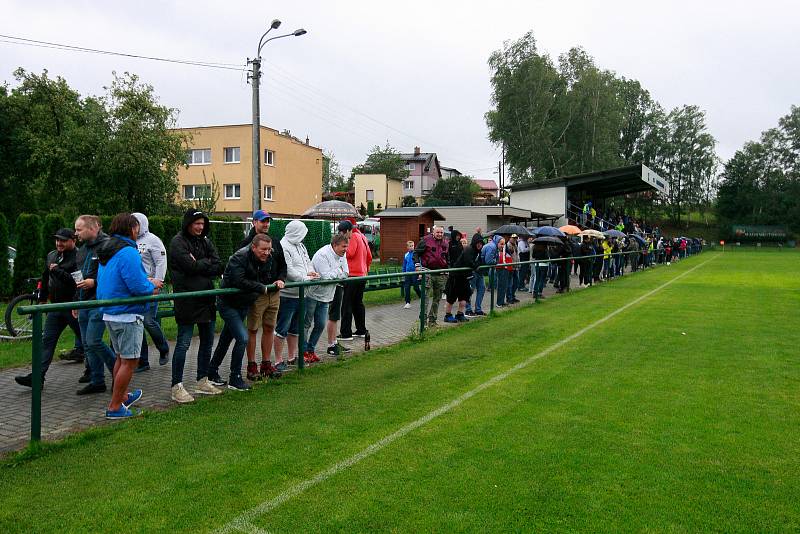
384,160
29,262
760,184
453,191
333,179
409,201
5,271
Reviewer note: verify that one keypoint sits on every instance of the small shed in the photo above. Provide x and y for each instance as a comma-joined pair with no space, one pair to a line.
399,225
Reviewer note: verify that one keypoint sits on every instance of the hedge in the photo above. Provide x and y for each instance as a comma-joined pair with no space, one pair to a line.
52,223
30,261
5,268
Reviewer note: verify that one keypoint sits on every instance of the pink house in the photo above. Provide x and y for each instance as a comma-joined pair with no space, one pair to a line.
423,173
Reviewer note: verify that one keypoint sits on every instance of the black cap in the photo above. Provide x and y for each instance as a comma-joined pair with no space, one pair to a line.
64,234
345,226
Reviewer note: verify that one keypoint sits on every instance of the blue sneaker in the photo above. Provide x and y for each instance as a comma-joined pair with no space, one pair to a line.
281,366
122,413
448,318
237,384
133,397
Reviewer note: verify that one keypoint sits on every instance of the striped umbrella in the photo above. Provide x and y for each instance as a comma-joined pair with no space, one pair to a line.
333,210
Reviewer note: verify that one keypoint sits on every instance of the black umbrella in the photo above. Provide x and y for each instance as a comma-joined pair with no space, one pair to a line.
638,238
548,231
614,233
333,210
548,239
508,229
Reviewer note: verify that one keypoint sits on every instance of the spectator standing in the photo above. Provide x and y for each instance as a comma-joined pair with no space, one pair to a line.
345,228
264,311
194,264
58,285
330,263
458,283
454,250
432,254
359,258
250,269
502,273
539,253
409,281
98,354
298,269
154,261
513,279
121,275
477,283
525,268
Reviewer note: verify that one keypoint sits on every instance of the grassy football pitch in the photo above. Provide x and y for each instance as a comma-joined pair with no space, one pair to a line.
664,401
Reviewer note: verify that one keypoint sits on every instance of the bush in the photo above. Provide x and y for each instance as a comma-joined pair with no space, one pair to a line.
52,223
5,270
370,208
105,222
29,262
157,228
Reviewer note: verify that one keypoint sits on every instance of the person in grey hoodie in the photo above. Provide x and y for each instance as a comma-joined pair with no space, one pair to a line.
154,261
298,269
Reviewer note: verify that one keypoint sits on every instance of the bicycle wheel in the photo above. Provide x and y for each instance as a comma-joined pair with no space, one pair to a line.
19,326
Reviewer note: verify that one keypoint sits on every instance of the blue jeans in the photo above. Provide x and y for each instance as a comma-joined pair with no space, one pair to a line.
233,331
287,317
478,285
513,285
316,312
408,283
541,277
501,275
54,324
154,329
185,331
96,351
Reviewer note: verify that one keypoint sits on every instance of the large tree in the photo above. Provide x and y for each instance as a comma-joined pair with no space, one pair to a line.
453,191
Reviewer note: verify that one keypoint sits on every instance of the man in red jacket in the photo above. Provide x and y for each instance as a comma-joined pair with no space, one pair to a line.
359,259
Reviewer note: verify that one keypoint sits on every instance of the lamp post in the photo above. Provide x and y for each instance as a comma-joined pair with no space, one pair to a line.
255,79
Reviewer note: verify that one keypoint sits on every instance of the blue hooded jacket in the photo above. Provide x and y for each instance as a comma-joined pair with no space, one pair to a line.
489,251
121,275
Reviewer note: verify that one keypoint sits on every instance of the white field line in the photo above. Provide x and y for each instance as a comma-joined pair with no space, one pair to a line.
243,522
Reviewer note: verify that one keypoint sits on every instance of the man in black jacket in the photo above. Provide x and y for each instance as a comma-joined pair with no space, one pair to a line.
57,286
89,231
194,264
250,269
264,311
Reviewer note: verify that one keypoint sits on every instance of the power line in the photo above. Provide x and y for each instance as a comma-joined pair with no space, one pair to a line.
59,46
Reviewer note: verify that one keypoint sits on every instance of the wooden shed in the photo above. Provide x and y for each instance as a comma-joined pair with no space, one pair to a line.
399,225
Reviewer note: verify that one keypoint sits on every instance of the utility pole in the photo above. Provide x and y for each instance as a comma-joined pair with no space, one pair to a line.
503,184
255,79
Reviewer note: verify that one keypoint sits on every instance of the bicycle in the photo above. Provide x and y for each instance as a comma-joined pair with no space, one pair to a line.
21,326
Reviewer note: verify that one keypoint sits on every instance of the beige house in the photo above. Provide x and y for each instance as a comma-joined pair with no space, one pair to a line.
383,191
291,170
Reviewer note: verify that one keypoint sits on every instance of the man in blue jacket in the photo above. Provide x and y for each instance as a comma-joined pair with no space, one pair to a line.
121,275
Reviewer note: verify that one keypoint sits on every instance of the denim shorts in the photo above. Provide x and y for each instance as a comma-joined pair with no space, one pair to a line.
287,317
126,338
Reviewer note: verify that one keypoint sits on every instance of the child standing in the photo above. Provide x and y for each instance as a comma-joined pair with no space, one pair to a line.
409,281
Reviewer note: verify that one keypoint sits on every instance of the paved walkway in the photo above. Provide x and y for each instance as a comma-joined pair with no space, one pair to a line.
64,412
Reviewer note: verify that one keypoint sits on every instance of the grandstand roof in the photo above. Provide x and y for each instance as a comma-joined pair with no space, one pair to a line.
607,183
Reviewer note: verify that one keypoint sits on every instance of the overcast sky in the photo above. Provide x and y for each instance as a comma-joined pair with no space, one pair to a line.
415,72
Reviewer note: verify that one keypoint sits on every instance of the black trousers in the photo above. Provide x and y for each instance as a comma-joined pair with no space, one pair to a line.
353,308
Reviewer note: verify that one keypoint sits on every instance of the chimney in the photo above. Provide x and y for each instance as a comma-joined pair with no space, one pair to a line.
306,139
416,151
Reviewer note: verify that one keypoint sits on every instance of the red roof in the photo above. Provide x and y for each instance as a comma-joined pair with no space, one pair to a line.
487,185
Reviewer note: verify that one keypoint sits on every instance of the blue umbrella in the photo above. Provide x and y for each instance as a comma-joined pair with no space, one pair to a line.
548,230
638,238
614,233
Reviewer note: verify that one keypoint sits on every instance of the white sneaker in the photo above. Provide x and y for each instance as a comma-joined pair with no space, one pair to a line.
180,395
205,387
407,306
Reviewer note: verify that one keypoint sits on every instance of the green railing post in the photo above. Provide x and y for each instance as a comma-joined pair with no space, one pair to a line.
491,289
36,378
301,328
423,283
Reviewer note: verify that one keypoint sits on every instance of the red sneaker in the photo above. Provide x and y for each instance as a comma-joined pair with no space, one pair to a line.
310,357
268,370
252,371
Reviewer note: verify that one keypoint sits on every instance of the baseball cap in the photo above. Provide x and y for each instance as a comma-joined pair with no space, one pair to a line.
260,215
64,234
345,226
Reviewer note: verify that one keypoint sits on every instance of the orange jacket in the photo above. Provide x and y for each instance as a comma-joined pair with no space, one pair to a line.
359,257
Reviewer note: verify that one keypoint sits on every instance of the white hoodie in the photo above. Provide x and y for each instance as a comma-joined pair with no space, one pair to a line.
330,266
151,248
298,264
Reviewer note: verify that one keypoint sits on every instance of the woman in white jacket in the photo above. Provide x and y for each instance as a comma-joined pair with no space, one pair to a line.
298,269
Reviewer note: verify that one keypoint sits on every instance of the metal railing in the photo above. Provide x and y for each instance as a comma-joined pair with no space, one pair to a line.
37,310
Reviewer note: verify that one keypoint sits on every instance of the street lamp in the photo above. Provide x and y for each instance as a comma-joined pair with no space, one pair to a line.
255,78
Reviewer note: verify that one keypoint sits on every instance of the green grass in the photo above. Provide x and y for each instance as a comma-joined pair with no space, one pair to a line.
633,426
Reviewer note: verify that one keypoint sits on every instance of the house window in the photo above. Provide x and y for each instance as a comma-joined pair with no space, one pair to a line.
269,192
408,184
410,166
370,195
232,154
233,191
199,156
196,192
269,157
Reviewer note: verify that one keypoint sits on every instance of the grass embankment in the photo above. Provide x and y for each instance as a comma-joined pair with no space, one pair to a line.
678,414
